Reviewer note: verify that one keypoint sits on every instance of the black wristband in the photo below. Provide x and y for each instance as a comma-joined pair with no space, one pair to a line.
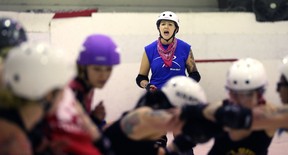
140,78
234,116
195,75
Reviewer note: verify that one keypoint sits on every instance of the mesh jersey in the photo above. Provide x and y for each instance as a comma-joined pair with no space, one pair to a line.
160,73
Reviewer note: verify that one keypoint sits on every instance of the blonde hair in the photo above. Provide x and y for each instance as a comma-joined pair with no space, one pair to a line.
9,100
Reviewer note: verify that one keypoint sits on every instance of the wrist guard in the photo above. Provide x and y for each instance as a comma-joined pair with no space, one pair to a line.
195,75
234,116
140,78
197,126
191,112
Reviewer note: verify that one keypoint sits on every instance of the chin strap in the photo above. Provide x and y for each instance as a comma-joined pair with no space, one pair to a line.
172,37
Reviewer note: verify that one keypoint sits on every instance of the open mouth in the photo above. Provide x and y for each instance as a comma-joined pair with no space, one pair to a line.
166,33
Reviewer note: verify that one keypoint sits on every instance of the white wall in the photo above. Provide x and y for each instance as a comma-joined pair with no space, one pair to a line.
212,36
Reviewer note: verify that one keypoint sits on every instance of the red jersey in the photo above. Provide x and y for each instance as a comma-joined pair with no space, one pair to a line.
66,126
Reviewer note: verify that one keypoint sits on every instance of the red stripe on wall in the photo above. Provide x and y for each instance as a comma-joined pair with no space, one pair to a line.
71,14
214,60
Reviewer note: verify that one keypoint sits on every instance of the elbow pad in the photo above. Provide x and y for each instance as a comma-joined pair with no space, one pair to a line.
140,78
195,75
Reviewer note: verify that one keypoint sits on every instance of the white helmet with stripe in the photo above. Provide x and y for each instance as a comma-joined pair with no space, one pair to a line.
183,90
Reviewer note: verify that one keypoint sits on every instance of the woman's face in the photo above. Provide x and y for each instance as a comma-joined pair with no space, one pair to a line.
282,88
167,28
248,99
98,75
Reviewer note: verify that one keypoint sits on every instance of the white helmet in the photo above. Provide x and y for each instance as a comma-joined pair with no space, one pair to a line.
182,90
32,70
284,67
246,74
168,15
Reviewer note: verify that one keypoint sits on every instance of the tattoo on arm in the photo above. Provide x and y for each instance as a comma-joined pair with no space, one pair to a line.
190,63
130,122
159,116
268,113
282,110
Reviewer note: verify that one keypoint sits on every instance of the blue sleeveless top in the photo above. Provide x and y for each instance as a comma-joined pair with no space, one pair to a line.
161,73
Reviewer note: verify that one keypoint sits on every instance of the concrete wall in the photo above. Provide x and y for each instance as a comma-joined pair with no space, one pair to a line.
212,36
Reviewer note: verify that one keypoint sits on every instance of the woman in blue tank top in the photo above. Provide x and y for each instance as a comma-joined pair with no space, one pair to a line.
166,57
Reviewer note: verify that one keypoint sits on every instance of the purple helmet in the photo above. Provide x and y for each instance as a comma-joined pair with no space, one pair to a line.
99,49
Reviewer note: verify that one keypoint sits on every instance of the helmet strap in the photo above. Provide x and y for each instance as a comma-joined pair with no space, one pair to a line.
172,37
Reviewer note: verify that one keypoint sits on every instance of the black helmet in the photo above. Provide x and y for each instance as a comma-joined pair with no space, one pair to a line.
11,33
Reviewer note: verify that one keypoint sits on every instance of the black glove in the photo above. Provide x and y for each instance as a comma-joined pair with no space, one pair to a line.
192,112
197,126
234,116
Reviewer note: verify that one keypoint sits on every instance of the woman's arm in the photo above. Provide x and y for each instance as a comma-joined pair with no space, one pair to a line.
142,78
145,123
13,140
192,68
266,117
